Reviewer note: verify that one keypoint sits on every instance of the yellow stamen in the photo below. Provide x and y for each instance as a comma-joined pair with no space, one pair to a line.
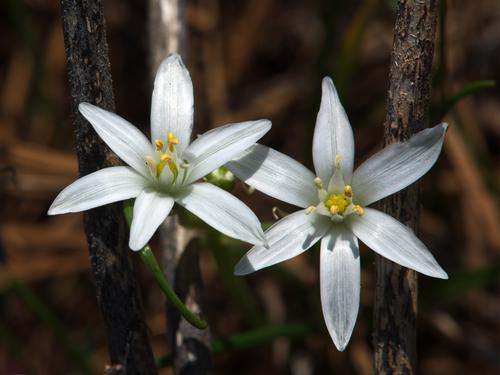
318,182
348,191
338,158
159,144
173,169
310,209
172,141
339,201
360,211
165,157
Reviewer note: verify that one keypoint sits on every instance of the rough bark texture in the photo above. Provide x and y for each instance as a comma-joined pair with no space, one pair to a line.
189,346
407,105
116,287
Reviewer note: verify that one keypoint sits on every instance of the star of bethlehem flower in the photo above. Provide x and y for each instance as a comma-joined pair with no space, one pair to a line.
165,170
334,208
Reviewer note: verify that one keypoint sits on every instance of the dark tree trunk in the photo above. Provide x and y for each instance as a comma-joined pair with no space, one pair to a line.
395,312
115,280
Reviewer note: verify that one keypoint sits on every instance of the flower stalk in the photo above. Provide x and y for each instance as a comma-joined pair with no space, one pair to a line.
151,263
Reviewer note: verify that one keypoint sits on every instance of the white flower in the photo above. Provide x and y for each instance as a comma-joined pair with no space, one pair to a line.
166,169
334,208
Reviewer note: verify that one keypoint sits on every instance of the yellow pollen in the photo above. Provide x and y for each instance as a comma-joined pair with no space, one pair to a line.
338,158
336,203
159,144
360,211
334,210
348,191
172,141
165,158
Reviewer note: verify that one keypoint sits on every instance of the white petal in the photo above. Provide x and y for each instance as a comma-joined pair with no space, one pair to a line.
150,210
122,137
391,239
105,186
397,166
172,102
332,136
276,174
340,283
218,146
223,211
287,238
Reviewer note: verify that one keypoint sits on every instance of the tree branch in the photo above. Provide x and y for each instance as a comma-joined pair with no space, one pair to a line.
115,280
395,309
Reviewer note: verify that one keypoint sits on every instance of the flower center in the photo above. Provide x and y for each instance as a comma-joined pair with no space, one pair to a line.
166,156
336,201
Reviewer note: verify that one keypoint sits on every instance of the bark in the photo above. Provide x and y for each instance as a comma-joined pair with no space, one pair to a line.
189,346
395,312
115,280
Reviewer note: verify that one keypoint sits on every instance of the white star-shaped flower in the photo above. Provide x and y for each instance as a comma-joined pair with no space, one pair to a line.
333,208
165,170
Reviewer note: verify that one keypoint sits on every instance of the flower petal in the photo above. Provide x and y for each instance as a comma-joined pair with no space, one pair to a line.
172,102
276,174
223,211
122,137
340,283
150,210
391,239
217,146
287,238
105,186
397,166
332,136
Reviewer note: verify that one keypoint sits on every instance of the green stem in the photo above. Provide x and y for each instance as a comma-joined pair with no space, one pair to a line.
150,260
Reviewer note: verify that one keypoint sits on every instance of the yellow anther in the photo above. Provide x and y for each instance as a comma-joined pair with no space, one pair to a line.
172,141
334,210
360,211
338,158
348,191
159,144
165,157
310,209
318,182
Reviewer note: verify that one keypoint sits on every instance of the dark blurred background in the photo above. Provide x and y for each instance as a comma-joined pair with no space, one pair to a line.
249,60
